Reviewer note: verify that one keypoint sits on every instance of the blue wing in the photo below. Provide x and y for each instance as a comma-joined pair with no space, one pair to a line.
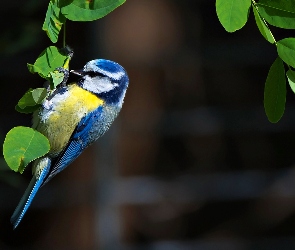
78,142
28,196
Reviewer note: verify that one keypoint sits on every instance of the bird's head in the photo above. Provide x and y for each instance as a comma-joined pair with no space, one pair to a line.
104,78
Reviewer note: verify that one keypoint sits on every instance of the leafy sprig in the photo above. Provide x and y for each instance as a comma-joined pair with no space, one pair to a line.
234,14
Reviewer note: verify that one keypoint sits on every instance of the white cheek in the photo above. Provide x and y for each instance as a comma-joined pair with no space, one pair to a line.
98,84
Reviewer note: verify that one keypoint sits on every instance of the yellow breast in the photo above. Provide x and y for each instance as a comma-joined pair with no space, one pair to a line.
67,111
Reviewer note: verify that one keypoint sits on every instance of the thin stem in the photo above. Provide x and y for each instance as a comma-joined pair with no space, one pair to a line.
254,4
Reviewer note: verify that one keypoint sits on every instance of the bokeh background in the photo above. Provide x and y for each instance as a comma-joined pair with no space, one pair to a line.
191,162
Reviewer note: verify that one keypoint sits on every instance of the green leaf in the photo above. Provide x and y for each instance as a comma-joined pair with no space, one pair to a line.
286,50
279,13
291,79
28,109
233,14
53,21
34,69
275,91
89,10
31,100
39,94
26,100
50,59
56,78
262,26
23,145
32,97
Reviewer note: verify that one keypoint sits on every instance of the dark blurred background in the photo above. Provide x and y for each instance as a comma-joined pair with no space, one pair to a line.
191,162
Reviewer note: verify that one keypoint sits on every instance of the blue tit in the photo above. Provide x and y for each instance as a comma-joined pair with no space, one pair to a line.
72,118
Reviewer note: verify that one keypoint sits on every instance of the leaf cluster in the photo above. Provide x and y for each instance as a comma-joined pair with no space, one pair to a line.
75,10
234,14
22,144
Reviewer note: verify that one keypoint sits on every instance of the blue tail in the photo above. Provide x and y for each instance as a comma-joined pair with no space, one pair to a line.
29,194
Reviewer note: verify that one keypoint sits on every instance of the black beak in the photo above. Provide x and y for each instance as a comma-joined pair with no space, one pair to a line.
79,72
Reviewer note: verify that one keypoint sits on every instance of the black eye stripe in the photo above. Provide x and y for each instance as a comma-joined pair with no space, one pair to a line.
94,74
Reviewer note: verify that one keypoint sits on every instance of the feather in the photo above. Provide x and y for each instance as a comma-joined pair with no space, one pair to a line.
79,140
29,194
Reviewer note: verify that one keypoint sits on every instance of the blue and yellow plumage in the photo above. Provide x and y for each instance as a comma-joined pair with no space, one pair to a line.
72,118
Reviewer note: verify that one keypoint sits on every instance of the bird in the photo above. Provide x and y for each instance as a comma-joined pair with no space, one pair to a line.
72,117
